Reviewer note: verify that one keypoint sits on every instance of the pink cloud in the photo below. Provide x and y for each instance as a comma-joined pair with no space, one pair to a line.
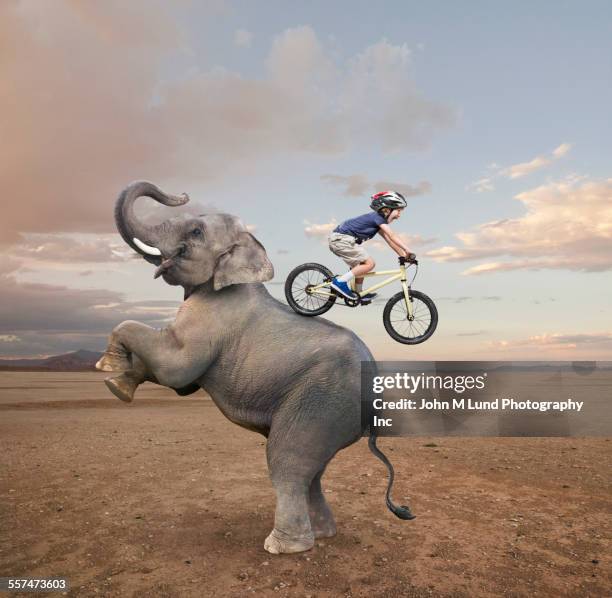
567,225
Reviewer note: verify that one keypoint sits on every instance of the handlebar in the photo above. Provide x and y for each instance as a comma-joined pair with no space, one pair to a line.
411,259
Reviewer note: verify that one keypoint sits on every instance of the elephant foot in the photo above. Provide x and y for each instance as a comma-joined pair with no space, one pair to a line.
279,542
112,361
324,529
123,387
321,516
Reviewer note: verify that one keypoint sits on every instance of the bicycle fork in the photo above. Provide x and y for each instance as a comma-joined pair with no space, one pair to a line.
406,289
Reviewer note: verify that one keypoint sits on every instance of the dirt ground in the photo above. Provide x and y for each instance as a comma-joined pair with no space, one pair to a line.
164,497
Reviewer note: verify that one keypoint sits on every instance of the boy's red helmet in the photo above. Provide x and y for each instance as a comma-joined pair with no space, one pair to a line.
388,199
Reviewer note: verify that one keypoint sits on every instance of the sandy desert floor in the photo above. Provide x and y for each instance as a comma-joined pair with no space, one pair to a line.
164,497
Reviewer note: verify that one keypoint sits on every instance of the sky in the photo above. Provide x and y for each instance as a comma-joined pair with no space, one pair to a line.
492,118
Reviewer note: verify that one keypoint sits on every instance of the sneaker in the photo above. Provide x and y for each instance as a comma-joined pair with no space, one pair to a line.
368,297
342,288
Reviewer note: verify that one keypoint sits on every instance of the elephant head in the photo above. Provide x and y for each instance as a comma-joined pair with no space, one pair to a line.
190,251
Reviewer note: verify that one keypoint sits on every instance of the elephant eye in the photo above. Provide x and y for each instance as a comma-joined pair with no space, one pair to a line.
196,232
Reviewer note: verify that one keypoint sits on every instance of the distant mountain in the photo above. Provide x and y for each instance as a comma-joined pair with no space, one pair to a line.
68,362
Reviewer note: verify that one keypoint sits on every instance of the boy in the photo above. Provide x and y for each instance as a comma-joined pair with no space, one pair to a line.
346,240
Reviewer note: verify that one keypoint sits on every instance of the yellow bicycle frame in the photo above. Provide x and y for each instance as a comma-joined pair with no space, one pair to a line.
393,276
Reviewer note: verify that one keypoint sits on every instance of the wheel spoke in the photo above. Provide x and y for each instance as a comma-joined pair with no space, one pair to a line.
299,296
410,329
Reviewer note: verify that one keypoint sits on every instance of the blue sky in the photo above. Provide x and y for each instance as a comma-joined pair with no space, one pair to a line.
247,106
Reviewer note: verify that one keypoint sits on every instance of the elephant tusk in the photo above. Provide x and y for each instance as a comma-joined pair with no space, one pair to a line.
146,248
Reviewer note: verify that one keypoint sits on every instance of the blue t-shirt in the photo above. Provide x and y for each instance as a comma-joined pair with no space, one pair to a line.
362,227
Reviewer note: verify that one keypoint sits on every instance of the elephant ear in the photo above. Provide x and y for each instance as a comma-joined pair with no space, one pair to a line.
245,261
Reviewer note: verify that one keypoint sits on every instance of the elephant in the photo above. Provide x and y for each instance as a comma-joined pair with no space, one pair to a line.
294,380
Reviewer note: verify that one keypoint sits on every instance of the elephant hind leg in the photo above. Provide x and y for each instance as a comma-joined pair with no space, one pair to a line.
304,437
321,516
292,531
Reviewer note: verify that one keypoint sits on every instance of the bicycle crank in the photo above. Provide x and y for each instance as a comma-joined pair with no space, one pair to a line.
352,302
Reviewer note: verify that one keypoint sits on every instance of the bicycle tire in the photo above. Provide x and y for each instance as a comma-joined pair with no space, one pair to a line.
424,335
296,302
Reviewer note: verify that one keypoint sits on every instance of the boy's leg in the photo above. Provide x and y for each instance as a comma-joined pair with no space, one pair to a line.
343,284
352,276
345,247
363,268
358,271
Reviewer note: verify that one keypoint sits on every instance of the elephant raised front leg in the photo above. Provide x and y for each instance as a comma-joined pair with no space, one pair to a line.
124,385
131,372
140,353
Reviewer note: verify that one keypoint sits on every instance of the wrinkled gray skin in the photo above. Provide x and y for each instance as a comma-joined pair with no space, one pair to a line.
293,379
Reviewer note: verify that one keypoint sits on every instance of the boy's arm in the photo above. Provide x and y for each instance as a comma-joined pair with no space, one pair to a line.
399,250
393,240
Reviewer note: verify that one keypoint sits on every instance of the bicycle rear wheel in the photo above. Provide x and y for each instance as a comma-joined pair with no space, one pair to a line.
298,294
410,332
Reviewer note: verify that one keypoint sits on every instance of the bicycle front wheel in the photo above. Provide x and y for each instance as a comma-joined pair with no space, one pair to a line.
300,294
410,332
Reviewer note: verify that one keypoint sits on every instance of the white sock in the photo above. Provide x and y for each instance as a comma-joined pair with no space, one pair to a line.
359,286
346,277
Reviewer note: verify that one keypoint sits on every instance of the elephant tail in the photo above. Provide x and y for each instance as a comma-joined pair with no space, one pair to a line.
403,512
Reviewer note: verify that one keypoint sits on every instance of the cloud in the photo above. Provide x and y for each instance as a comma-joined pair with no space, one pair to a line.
243,38
482,185
562,150
36,307
42,318
70,248
380,95
520,170
305,102
567,225
40,344
74,145
412,241
516,171
320,231
357,185
405,189
555,341
9,265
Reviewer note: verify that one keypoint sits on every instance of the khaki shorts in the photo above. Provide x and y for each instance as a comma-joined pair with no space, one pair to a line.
347,248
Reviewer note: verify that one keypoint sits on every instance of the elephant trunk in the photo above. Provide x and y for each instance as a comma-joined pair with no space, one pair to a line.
139,237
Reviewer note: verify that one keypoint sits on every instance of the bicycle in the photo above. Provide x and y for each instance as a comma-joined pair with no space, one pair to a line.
410,317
